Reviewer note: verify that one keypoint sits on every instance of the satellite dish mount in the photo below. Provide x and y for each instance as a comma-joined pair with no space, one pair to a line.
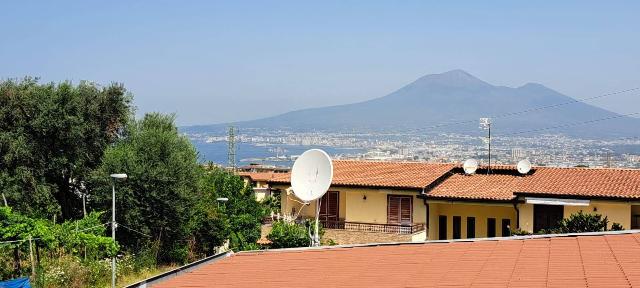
311,177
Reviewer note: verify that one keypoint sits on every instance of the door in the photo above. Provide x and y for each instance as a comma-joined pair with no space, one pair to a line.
399,209
329,206
471,227
442,227
546,216
506,227
491,227
457,227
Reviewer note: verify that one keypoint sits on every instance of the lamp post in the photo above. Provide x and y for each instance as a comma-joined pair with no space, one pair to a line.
113,223
222,199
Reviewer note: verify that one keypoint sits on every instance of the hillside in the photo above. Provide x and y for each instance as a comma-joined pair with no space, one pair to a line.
450,97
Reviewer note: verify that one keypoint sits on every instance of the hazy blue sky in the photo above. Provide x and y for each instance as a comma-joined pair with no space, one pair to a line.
223,61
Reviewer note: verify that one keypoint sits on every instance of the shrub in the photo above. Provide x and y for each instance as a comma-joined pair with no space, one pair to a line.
520,232
581,222
616,226
288,235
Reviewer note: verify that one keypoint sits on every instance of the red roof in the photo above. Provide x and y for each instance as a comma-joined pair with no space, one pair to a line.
502,184
563,261
505,182
410,175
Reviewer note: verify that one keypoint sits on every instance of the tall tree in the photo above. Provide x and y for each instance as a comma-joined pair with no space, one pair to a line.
160,193
51,137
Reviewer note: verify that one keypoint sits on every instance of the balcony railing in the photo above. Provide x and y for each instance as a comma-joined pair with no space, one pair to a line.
373,227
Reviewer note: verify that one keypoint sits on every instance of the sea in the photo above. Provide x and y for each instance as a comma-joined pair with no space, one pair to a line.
273,154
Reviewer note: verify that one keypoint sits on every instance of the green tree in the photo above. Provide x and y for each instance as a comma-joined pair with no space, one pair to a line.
157,200
243,212
51,137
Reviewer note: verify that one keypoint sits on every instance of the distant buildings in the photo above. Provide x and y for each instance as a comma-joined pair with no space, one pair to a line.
439,201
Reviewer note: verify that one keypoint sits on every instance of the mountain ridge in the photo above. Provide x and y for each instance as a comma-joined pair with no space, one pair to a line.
448,97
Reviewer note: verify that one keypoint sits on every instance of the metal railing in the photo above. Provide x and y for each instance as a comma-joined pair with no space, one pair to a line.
373,227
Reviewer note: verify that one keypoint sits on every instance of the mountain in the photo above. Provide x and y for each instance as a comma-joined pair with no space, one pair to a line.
453,97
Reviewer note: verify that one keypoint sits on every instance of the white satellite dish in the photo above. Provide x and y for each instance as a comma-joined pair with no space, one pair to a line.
524,166
470,166
311,175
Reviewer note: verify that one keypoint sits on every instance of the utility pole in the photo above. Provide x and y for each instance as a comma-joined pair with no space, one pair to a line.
231,151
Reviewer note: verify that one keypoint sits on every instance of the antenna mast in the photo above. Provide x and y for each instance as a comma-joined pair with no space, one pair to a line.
485,123
231,151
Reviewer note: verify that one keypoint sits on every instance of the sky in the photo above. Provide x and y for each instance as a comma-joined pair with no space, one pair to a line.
214,61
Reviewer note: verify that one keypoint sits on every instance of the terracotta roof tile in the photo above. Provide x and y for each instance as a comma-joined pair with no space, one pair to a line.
505,182
500,185
580,261
411,175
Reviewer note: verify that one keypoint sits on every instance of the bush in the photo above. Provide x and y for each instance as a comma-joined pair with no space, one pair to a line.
288,235
616,227
520,232
581,222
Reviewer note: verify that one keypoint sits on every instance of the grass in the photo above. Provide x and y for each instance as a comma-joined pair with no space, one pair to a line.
144,274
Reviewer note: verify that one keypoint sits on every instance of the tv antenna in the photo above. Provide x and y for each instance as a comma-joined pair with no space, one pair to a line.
485,124
311,177
470,166
524,166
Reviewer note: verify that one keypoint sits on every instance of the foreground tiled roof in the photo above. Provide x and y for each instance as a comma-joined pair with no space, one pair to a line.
580,261
411,175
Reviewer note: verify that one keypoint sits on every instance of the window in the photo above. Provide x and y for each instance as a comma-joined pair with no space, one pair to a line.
491,227
399,209
457,227
442,227
329,206
506,227
471,227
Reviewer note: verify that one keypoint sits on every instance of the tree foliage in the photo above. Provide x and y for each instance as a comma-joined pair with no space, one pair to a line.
244,214
51,137
74,238
582,222
158,197
170,197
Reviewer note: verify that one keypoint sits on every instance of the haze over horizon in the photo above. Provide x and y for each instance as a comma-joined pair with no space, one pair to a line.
226,62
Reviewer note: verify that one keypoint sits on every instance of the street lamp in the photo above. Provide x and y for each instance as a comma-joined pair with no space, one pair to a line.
113,223
222,199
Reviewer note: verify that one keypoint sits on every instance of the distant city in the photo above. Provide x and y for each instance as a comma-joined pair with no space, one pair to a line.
281,147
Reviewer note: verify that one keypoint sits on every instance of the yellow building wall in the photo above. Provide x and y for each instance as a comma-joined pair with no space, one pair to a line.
526,217
353,206
619,212
481,211
615,211
373,209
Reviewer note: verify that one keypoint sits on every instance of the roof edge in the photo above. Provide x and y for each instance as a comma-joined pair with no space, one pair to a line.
525,237
180,270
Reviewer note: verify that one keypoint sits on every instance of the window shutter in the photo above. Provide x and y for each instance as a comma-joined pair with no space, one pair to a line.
405,210
393,213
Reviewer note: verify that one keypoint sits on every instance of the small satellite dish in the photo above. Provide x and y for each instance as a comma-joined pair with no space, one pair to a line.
311,175
524,166
470,166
